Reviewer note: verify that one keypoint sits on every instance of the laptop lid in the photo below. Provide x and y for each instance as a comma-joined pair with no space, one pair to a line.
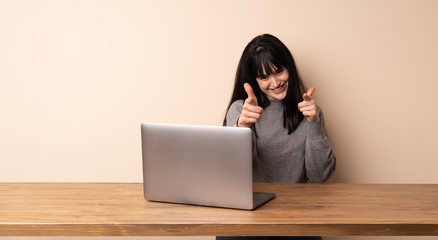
200,165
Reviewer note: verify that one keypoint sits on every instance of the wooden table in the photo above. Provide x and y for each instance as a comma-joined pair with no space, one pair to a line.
118,209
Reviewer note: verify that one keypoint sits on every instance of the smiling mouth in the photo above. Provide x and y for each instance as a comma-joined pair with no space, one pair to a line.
279,89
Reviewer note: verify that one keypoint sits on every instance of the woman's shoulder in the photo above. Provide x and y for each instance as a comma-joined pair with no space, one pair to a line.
234,112
237,104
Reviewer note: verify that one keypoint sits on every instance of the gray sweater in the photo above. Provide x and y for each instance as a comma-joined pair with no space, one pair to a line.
303,156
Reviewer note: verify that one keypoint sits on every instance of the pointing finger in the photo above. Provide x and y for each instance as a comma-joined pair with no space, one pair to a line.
251,96
311,91
307,96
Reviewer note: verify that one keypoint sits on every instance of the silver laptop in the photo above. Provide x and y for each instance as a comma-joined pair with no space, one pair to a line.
199,165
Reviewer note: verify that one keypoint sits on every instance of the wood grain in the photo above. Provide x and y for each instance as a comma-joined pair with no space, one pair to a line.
119,209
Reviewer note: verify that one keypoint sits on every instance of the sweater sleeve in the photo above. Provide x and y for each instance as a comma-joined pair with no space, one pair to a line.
320,160
233,115
234,112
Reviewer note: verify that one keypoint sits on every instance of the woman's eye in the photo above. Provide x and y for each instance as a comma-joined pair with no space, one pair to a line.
279,71
264,77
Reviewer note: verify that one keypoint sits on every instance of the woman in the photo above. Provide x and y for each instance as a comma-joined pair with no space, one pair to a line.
288,126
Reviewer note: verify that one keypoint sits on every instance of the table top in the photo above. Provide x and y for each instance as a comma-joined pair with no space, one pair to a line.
119,209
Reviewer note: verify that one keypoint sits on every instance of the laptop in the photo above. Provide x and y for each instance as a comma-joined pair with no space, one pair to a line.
199,165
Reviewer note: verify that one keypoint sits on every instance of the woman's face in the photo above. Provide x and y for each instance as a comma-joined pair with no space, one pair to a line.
274,85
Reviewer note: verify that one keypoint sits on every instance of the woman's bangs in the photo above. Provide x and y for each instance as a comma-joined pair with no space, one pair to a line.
265,64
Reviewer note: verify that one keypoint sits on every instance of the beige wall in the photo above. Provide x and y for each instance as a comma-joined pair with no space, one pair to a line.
78,77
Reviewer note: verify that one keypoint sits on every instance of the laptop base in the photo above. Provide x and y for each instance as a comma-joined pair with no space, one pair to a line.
260,198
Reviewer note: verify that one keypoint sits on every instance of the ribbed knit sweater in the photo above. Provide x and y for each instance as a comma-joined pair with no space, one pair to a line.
303,156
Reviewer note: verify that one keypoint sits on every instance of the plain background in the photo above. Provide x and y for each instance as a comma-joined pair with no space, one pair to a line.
77,78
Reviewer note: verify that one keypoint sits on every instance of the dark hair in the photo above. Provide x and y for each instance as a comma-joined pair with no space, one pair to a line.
266,52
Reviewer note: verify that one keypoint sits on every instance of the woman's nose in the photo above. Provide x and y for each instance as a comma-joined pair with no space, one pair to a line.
274,80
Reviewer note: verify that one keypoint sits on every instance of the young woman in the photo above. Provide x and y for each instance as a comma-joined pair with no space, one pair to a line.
269,97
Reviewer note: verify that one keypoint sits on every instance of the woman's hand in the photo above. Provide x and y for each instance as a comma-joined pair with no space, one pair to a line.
308,106
251,111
